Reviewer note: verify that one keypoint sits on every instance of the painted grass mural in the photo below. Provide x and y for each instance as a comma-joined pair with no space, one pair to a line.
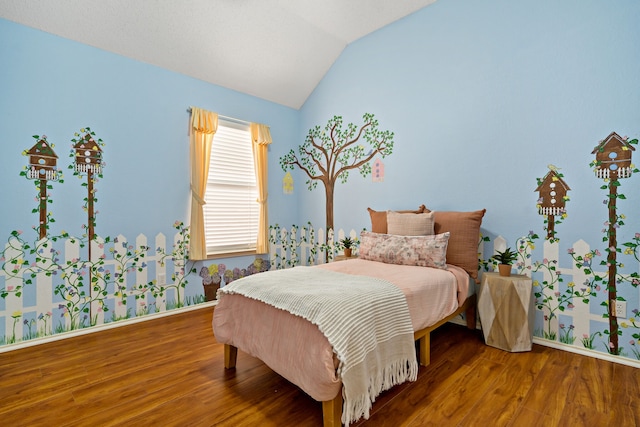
53,283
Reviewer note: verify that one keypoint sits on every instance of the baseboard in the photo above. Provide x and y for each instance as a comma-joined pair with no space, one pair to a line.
570,348
104,326
587,352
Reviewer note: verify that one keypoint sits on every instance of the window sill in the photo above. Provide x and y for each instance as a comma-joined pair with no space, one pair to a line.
232,254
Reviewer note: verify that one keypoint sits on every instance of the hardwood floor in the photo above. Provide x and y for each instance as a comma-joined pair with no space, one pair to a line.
169,372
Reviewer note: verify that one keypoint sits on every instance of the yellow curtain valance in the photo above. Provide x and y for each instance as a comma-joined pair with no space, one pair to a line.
260,134
203,121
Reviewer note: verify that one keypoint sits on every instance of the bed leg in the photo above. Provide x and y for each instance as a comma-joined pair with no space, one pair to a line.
332,411
424,346
470,314
230,356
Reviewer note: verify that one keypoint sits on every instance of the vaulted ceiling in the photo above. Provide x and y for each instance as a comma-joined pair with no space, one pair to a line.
278,50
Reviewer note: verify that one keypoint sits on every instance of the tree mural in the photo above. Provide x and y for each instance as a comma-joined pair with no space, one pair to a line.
329,153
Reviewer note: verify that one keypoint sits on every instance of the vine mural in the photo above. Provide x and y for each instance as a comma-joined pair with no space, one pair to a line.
42,168
575,305
58,266
613,163
553,297
302,245
82,280
568,300
292,244
87,155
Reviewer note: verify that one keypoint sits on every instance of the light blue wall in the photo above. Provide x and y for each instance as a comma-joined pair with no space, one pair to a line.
53,86
482,96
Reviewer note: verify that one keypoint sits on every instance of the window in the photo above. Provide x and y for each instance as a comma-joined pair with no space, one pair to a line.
231,213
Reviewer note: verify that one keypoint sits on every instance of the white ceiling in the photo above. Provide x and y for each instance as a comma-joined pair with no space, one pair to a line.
277,50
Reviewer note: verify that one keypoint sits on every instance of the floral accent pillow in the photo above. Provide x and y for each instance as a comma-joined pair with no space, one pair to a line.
421,251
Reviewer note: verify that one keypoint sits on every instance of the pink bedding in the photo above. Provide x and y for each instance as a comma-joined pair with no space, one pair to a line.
432,294
297,350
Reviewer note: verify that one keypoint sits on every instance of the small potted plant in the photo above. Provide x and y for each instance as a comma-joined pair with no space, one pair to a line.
346,244
505,259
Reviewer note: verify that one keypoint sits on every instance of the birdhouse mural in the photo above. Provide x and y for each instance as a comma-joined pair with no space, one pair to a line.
88,155
377,174
613,157
56,275
613,161
42,161
553,196
287,183
42,167
88,159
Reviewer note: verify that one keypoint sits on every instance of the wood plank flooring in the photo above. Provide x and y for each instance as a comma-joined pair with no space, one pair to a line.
169,372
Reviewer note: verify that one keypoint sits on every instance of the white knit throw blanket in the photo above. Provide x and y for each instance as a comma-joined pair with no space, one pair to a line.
365,319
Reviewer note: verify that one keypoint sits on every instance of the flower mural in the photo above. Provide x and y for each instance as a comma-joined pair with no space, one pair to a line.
599,274
216,275
77,281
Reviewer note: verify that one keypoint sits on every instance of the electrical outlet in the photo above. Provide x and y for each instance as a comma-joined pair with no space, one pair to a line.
620,309
162,279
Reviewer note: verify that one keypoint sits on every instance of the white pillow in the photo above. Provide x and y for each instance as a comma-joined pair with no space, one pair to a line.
403,224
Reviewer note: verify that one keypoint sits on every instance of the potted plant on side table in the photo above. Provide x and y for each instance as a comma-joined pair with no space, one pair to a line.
505,259
346,244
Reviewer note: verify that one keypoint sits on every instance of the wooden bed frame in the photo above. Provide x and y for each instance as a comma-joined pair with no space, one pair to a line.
332,409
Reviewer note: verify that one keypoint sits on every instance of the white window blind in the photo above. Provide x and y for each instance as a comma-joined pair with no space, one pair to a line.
231,213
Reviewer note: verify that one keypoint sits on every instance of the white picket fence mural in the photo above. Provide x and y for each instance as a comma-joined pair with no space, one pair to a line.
570,306
305,246
50,286
45,289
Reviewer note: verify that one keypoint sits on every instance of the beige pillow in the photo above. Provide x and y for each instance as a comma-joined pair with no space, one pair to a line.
379,219
408,224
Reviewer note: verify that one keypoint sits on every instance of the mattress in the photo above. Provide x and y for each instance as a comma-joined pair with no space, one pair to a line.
298,351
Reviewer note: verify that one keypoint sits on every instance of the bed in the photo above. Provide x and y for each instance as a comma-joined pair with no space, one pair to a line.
432,289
